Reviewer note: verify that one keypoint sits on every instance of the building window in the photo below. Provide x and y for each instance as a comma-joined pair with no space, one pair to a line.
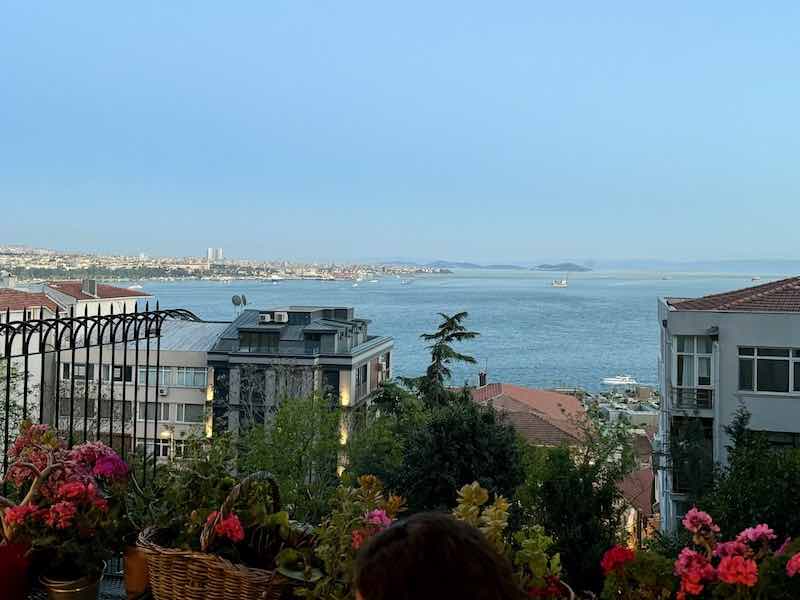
775,370
105,409
161,447
190,413
693,367
163,414
148,376
79,371
782,439
258,342
192,377
118,373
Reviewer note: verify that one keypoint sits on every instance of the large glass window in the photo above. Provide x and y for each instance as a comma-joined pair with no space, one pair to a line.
775,370
191,377
258,342
190,413
163,414
693,365
117,373
150,377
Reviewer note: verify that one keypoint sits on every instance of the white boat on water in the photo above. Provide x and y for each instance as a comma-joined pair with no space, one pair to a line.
559,283
620,381
756,279
135,287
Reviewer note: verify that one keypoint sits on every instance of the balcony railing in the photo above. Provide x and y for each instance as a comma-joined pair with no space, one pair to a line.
693,398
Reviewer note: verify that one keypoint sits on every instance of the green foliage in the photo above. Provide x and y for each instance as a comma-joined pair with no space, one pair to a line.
760,484
458,444
337,537
300,447
528,549
573,493
649,576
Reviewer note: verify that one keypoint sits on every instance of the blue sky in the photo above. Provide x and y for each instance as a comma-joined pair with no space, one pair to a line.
348,130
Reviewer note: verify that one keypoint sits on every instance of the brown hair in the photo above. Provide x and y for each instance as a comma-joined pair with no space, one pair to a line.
433,556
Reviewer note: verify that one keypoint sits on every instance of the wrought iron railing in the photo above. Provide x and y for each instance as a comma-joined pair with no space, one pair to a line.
692,398
32,352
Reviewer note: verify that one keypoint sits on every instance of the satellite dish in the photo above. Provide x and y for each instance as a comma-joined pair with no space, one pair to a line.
244,300
236,300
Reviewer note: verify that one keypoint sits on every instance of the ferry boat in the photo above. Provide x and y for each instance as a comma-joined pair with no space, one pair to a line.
620,381
559,283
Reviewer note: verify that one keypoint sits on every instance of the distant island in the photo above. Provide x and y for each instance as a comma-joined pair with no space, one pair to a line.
566,266
446,264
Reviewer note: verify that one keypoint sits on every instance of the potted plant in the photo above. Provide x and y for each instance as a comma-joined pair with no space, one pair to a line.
214,534
69,513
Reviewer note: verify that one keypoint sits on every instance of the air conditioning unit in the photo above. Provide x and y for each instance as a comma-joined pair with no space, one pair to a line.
163,391
264,318
281,317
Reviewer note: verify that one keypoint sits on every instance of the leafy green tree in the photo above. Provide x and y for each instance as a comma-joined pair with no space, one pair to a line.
573,493
300,447
760,484
457,444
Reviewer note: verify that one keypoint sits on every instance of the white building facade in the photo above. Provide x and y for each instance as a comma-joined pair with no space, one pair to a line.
719,353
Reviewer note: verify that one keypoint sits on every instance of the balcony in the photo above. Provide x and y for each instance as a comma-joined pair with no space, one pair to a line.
692,398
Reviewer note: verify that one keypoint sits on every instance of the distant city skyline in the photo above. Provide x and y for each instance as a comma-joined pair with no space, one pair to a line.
495,133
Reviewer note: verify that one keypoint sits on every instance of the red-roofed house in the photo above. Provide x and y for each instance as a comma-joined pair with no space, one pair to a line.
718,352
89,296
542,417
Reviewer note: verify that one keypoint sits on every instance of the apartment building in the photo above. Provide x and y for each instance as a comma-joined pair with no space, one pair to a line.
720,352
265,355
154,408
88,297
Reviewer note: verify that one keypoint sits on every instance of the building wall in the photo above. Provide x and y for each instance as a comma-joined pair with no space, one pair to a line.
770,411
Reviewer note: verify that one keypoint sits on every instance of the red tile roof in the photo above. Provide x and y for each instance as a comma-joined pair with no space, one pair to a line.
776,296
17,300
73,288
541,416
637,488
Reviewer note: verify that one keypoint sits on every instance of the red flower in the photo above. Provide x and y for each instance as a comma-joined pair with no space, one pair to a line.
793,566
616,558
697,521
229,527
358,537
16,515
694,570
738,570
60,515
551,589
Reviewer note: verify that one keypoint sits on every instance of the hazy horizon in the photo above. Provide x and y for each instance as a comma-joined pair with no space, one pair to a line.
455,131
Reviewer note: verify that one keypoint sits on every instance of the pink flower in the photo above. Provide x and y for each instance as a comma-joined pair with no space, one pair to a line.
738,570
754,535
110,467
734,548
793,566
694,570
16,515
229,527
60,515
615,558
379,518
696,521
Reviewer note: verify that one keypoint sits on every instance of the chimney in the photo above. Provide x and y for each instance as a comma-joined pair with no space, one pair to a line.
89,287
482,379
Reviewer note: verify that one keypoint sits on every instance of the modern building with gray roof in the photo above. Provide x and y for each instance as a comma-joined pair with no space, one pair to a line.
266,355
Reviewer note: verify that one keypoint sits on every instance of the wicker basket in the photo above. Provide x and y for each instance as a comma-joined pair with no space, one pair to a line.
189,575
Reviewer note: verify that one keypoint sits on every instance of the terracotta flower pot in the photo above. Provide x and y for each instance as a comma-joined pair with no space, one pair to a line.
137,578
85,588
14,571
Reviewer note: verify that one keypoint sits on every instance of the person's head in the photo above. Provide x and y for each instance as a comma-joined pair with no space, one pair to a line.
432,556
